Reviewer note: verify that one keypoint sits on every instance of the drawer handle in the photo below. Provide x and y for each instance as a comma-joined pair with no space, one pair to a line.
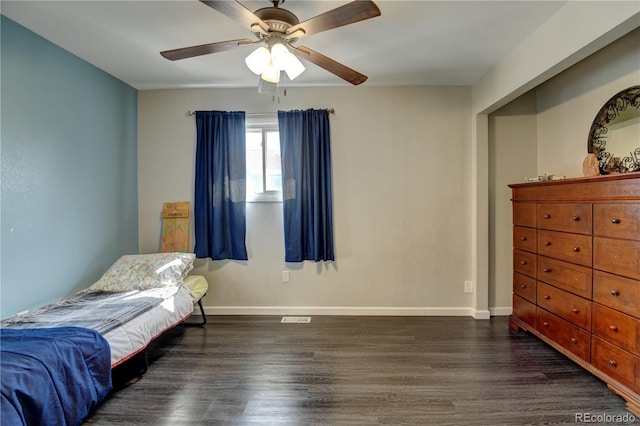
575,218
523,262
523,238
576,249
523,286
547,216
613,328
612,363
546,324
615,221
547,243
615,293
576,310
547,269
574,340
547,297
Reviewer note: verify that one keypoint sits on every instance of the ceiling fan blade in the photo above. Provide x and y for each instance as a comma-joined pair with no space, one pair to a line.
204,49
342,71
356,11
236,11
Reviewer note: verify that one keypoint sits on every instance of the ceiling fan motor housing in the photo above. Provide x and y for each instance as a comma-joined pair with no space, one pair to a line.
279,20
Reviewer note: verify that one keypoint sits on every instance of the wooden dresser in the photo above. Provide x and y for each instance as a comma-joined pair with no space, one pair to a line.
576,273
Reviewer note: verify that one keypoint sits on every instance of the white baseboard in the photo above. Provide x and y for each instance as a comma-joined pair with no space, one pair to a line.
345,311
501,311
481,315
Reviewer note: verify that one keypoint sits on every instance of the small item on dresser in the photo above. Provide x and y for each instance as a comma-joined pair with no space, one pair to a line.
590,165
543,178
540,178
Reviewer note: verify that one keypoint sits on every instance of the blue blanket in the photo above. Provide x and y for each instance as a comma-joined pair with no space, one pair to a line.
52,376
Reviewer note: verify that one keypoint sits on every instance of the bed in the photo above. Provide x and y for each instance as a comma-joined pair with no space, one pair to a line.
135,301
52,376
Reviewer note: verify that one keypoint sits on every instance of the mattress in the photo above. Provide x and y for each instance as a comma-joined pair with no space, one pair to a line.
136,334
129,321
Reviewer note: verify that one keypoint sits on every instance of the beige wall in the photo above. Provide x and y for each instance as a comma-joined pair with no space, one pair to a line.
435,174
545,131
568,103
402,202
512,157
575,32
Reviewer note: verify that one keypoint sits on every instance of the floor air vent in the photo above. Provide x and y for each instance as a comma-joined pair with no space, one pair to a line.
296,320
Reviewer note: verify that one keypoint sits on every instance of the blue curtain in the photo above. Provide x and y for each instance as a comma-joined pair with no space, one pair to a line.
306,185
220,189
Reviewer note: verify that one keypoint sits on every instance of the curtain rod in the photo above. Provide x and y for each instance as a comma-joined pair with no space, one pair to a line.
249,114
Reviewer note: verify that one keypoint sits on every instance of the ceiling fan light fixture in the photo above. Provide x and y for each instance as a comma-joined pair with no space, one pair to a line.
271,73
286,61
280,56
258,60
294,67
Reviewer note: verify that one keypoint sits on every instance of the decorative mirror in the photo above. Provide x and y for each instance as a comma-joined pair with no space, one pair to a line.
614,137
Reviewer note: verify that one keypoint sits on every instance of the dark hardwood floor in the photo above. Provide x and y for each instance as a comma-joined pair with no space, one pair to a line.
356,370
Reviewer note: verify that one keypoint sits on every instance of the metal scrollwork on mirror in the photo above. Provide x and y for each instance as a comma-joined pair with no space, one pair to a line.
614,137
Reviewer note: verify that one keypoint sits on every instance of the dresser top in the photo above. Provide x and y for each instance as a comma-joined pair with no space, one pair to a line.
624,186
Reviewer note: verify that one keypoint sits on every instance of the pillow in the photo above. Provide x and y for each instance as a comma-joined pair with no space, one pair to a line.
145,271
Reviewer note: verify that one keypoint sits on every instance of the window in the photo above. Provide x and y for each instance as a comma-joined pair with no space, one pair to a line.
264,174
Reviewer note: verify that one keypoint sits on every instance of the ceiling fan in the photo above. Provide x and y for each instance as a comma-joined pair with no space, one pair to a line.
280,29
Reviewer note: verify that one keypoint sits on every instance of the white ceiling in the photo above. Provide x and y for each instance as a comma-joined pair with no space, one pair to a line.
411,43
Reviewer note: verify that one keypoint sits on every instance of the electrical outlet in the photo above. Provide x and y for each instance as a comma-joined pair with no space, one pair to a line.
468,287
285,276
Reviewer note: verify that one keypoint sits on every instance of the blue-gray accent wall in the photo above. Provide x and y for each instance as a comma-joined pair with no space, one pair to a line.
69,188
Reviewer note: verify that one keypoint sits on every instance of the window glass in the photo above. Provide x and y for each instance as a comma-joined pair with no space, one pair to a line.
273,170
264,173
255,182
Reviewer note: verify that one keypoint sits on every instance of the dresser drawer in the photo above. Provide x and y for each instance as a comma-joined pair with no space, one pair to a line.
564,333
616,328
524,262
573,248
524,214
574,217
524,310
621,257
524,287
566,305
617,292
567,276
617,363
524,238
617,220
